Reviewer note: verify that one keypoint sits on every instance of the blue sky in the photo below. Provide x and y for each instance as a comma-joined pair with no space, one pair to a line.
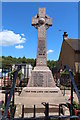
16,18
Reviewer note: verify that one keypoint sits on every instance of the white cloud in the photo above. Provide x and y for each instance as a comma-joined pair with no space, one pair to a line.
50,51
8,38
19,46
22,35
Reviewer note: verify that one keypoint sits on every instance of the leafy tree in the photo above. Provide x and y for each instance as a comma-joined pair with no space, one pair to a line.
7,61
23,59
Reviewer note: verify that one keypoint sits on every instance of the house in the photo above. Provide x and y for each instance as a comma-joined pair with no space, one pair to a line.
70,53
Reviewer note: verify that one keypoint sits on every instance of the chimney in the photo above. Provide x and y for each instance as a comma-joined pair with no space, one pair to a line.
65,36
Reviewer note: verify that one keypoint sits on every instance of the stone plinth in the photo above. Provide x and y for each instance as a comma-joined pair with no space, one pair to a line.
41,88
41,77
36,95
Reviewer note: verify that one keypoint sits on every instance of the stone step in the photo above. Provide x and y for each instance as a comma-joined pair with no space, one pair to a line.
37,95
40,110
29,112
38,100
41,91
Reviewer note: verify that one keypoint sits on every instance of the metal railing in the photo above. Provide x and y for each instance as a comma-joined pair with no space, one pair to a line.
46,112
73,84
11,93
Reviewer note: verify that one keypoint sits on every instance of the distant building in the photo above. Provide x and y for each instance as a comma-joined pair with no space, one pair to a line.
25,68
70,53
0,72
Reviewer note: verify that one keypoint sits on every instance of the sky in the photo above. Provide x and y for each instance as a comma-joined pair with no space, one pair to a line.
19,37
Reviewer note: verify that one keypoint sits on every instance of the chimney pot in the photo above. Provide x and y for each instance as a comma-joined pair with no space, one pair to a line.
65,35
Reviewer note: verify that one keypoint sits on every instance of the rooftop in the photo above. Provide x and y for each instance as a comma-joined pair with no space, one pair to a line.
74,43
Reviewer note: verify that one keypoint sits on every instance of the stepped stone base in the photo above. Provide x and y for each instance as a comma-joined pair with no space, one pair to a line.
36,95
41,88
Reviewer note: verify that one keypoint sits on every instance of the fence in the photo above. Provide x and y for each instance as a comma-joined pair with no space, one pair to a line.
6,78
46,105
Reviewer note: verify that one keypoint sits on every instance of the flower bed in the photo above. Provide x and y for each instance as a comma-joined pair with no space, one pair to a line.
76,108
2,108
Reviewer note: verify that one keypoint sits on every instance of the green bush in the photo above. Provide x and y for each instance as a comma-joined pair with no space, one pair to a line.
64,74
76,105
65,79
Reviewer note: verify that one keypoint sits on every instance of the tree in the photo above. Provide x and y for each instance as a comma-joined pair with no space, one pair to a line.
13,60
24,60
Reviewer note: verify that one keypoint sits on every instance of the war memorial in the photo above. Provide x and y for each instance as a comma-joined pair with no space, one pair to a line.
41,86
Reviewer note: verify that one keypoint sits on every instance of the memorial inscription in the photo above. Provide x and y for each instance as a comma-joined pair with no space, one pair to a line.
38,79
41,48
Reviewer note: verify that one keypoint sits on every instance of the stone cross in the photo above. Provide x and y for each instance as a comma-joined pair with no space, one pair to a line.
41,22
